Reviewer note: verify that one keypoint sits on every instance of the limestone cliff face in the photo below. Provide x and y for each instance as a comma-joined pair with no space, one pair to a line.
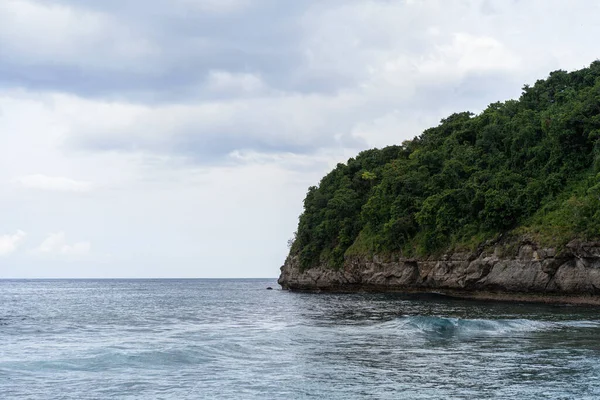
530,273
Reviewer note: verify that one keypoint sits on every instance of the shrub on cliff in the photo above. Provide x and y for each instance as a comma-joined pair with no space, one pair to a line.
529,165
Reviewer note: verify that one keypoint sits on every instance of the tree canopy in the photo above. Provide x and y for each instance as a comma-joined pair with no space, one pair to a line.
527,166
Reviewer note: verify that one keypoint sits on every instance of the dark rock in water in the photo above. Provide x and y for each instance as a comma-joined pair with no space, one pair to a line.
269,288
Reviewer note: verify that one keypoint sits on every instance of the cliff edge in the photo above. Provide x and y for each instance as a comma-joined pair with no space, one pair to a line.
530,273
518,183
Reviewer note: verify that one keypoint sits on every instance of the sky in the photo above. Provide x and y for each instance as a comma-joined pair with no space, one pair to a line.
177,138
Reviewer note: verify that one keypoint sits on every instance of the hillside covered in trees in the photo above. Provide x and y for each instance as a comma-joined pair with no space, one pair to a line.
524,167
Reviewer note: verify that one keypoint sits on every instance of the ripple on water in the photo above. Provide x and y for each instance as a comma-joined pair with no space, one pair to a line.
231,339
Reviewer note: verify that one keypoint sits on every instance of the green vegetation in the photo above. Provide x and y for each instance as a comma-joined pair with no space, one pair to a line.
529,167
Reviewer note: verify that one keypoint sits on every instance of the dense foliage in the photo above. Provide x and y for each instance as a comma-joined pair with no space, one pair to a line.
528,166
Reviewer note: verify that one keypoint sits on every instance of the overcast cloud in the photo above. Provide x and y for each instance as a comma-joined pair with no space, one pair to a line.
177,138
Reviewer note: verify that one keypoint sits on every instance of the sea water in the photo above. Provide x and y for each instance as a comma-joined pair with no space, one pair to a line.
232,339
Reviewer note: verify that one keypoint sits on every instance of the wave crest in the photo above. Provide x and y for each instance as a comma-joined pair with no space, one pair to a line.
446,326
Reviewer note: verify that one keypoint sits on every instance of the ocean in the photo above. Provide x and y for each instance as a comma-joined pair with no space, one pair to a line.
233,339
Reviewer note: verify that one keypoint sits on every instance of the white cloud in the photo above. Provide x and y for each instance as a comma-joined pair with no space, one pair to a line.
376,73
214,6
41,32
391,128
292,122
401,46
56,244
224,81
34,130
9,243
466,54
53,183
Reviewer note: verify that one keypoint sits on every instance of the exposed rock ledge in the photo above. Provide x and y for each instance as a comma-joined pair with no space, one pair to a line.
530,273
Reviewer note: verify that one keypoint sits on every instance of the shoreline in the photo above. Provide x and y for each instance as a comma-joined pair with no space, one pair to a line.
528,273
540,298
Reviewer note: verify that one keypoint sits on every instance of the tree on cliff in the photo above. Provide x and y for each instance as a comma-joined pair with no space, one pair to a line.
528,166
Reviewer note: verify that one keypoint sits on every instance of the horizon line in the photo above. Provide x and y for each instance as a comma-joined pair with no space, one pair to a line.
146,278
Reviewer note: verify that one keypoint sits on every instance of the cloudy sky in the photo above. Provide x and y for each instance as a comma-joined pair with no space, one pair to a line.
177,138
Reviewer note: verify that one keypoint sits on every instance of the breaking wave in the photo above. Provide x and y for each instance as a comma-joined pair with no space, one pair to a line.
446,326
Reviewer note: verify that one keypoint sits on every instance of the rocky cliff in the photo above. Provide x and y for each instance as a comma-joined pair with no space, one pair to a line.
522,271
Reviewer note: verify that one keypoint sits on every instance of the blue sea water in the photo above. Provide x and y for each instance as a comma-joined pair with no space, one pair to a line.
232,339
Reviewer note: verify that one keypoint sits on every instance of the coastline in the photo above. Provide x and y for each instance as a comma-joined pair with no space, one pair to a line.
527,273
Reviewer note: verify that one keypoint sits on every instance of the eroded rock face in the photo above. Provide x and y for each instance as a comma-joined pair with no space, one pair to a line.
531,273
